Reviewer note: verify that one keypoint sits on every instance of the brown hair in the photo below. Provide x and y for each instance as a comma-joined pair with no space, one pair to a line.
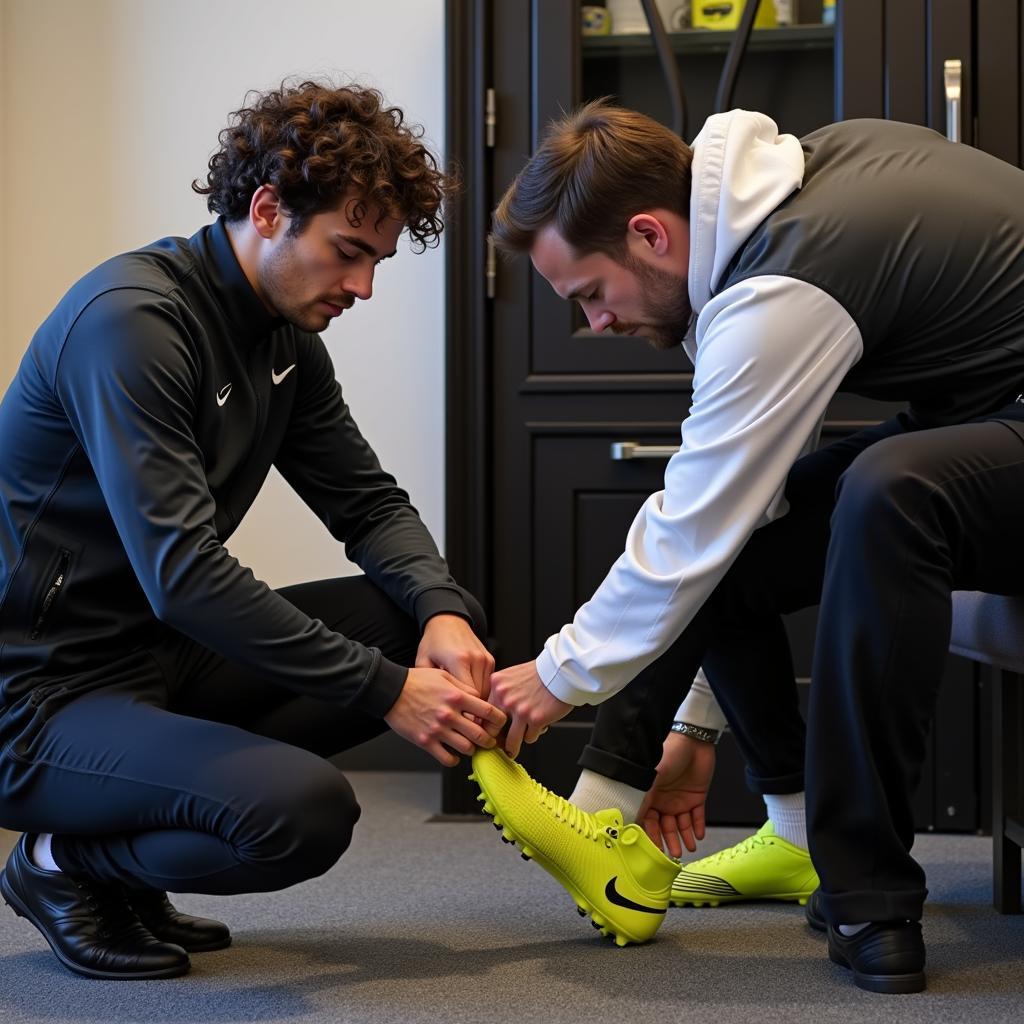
314,143
594,169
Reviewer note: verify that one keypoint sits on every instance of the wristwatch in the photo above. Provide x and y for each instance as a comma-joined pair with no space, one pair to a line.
698,732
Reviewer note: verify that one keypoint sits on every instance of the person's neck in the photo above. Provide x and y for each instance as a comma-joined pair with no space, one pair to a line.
245,243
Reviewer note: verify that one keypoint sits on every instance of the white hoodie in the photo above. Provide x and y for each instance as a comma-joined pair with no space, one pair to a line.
768,353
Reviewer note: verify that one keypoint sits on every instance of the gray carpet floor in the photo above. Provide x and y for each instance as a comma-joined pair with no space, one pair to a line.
440,922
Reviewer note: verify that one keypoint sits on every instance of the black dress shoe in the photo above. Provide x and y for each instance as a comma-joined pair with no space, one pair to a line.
884,957
167,923
812,911
89,926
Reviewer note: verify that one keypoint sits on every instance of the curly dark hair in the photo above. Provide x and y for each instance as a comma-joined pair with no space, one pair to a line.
315,142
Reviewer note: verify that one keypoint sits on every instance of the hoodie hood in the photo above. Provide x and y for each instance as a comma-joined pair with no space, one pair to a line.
742,169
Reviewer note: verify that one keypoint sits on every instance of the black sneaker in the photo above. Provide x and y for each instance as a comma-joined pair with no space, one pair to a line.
884,957
812,911
90,927
167,923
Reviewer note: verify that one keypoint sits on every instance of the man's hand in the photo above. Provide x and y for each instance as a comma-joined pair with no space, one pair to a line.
674,807
435,712
531,707
449,642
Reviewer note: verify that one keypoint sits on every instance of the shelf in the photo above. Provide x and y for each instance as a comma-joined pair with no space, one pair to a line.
762,40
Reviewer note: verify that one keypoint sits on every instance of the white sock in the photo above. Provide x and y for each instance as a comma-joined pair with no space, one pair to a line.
786,812
42,855
595,792
852,929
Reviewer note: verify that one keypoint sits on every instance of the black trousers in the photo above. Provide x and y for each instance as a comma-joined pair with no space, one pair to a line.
190,775
882,527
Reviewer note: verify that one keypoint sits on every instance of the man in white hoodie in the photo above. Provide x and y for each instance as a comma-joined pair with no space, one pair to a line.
872,256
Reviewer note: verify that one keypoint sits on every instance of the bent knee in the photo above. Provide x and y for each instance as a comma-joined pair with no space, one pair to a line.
323,821
303,832
884,477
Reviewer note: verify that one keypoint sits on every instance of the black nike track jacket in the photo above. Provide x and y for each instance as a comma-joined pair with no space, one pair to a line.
138,430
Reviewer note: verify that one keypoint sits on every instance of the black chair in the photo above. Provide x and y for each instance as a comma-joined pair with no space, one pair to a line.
990,629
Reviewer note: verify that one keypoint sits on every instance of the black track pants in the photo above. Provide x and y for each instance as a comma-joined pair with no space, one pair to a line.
187,774
882,527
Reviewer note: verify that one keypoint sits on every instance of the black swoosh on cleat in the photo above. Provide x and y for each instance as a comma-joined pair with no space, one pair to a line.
614,896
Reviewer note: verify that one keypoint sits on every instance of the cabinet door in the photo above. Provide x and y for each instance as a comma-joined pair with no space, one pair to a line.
997,126
560,341
589,500
787,73
890,62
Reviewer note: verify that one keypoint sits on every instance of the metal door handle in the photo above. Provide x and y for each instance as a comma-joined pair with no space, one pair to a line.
952,72
623,450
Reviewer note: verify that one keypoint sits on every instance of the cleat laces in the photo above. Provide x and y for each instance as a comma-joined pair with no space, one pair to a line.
738,850
575,817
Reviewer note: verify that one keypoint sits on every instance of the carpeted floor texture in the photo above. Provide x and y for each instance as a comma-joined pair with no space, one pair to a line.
440,922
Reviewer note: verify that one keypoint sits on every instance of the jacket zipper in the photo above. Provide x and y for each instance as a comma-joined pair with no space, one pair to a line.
56,584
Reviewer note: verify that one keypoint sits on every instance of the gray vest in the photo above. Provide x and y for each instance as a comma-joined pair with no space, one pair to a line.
922,242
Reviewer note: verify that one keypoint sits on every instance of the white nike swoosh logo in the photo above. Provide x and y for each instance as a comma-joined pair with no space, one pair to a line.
278,377
222,395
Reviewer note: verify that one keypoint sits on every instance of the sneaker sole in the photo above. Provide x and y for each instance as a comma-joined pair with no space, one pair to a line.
584,907
14,902
887,984
703,901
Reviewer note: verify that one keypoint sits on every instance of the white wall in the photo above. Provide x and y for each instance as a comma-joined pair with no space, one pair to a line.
109,109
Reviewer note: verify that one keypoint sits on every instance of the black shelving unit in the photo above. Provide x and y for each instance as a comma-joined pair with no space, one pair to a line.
707,41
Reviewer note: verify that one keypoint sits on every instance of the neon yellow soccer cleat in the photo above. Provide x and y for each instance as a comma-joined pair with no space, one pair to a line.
613,871
762,867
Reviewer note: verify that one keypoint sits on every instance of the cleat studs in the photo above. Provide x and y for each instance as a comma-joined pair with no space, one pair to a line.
621,940
480,797
802,901
525,856
581,912
471,777
507,841
594,924
488,809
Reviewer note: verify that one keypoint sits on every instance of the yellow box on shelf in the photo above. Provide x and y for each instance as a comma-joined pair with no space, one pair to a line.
726,13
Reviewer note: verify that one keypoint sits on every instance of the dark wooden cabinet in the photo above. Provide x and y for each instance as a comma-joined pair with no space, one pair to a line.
537,506
889,63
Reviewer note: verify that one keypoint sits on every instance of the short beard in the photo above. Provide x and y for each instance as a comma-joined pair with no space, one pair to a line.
667,309
277,279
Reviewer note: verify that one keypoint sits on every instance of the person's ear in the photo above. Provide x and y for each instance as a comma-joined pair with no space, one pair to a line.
649,231
265,211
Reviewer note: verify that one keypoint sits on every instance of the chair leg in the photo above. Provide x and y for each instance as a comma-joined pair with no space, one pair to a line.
1006,792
